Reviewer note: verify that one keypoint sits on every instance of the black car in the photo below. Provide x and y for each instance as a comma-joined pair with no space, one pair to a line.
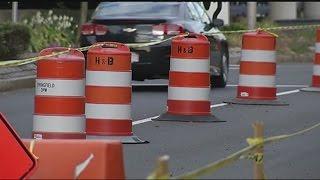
143,22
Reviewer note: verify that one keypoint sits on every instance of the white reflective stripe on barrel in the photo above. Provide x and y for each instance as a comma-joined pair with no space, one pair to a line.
59,123
258,55
189,65
108,111
318,47
108,78
316,70
257,80
58,87
187,93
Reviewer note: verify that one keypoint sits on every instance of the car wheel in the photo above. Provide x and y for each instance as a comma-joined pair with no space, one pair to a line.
221,81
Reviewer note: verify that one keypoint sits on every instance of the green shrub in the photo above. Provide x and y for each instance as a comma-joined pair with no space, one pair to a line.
14,40
48,30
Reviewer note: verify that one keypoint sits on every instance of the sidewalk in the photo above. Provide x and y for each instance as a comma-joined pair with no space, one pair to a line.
24,76
17,77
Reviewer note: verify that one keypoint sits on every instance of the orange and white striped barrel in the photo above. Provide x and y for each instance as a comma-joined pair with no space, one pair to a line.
108,90
257,66
59,95
189,76
316,62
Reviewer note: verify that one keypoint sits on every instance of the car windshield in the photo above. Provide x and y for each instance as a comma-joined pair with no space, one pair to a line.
136,9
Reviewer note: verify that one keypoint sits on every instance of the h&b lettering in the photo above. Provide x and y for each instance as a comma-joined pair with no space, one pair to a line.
97,60
110,60
179,49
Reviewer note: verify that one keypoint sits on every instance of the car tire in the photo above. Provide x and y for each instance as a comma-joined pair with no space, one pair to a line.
221,80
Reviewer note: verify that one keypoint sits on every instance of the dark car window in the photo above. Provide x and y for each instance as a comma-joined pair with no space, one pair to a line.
136,9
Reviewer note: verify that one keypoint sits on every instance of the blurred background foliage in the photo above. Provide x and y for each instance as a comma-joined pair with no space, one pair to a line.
50,29
290,42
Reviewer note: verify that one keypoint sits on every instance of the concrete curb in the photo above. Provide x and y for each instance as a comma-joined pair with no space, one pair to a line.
17,83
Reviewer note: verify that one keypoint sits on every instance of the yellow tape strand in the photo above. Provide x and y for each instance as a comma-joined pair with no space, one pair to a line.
266,29
257,157
254,141
9,63
212,167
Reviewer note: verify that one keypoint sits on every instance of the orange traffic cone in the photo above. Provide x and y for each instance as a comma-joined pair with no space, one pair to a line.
315,86
59,95
189,80
108,93
257,84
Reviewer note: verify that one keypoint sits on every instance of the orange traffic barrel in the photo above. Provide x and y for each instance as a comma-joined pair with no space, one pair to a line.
257,79
315,85
108,93
59,95
77,159
189,80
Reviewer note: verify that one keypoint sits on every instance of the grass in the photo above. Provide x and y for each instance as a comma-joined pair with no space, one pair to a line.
291,44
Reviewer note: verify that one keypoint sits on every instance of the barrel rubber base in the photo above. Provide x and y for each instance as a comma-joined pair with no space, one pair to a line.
123,139
311,89
186,118
256,102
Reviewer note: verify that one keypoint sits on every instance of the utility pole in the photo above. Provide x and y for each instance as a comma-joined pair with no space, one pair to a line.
14,11
83,16
251,14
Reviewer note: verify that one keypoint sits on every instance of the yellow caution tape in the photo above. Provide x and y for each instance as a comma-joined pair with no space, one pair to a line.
257,157
265,30
8,63
255,143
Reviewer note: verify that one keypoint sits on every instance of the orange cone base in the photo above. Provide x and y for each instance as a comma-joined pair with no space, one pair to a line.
186,118
123,139
311,89
256,102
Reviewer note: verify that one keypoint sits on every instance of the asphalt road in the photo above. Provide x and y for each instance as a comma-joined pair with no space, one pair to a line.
192,145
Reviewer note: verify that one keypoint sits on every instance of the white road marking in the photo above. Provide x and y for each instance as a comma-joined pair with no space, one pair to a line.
212,106
288,92
234,65
281,85
234,68
233,85
144,120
